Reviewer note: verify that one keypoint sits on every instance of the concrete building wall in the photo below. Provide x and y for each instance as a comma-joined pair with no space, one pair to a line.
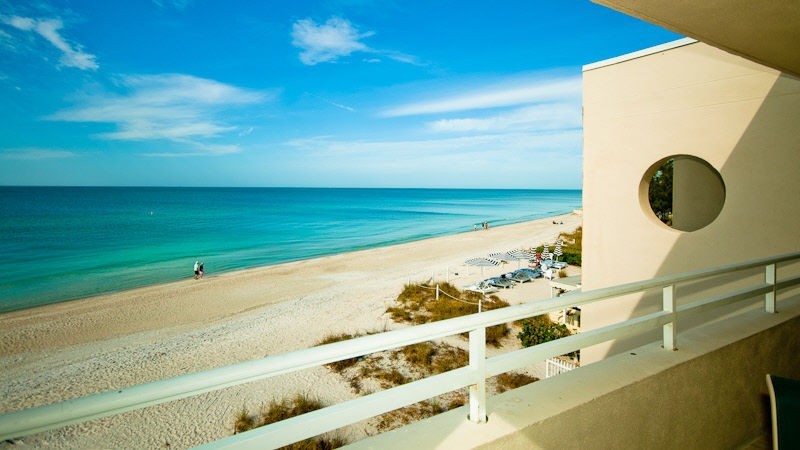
693,99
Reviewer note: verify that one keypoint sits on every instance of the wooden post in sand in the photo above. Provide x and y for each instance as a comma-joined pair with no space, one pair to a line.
437,292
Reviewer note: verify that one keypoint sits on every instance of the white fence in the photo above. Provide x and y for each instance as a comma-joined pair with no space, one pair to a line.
21,423
554,366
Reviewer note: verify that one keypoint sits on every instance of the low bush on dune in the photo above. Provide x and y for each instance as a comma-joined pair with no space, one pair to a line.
541,329
573,246
278,410
512,380
417,304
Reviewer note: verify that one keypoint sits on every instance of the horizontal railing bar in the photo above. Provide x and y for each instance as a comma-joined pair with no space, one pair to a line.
721,300
788,282
55,415
20,423
530,355
342,414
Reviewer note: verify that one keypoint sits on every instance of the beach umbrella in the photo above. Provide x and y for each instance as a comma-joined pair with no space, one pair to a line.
558,252
546,252
482,262
520,255
500,256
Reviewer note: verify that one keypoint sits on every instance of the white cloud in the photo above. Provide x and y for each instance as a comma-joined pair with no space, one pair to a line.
72,54
533,91
173,107
548,116
334,39
327,42
34,153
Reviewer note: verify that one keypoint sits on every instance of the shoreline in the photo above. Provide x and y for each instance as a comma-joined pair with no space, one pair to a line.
65,350
184,288
387,244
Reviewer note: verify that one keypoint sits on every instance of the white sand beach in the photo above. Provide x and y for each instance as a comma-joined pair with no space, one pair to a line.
72,349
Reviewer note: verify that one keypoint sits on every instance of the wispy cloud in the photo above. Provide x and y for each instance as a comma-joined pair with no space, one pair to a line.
516,159
34,153
174,107
422,149
533,91
49,29
547,116
327,42
335,39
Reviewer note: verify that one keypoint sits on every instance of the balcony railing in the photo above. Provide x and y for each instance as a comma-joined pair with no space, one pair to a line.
21,423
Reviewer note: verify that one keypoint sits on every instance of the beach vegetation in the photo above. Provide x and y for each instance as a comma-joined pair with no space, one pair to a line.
562,273
512,380
339,366
417,304
421,410
384,370
278,410
660,192
572,248
244,422
541,329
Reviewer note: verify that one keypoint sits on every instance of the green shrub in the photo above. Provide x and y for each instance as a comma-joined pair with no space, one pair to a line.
541,329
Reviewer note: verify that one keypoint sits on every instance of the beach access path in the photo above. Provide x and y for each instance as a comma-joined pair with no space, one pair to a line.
71,349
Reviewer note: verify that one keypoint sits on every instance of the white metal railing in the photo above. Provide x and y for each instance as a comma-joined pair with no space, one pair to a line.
25,422
555,366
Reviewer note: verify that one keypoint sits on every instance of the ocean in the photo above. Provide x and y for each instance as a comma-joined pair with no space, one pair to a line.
63,243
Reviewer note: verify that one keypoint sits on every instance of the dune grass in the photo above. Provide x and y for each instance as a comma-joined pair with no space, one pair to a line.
417,304
278,410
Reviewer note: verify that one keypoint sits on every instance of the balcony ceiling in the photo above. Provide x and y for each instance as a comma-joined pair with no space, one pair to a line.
765,31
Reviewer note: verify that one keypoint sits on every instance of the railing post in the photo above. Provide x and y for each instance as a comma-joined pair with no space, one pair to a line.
477,361
769,297
670,329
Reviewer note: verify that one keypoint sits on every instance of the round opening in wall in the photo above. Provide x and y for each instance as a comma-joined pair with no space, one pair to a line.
683,192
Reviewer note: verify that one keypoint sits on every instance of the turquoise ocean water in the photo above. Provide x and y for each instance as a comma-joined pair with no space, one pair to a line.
62,243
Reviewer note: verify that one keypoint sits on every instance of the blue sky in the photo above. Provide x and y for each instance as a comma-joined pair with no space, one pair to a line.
339,93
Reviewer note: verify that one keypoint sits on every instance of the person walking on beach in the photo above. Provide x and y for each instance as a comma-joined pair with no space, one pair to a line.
202,269
196,269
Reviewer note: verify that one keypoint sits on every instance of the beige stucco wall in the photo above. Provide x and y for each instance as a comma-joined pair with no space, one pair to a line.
697,100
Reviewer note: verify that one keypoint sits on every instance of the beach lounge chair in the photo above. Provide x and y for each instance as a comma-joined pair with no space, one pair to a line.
500,282
784,399
533,273
520,276
554,264
482,287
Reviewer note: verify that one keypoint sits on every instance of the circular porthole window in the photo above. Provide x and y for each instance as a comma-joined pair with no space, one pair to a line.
682,192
